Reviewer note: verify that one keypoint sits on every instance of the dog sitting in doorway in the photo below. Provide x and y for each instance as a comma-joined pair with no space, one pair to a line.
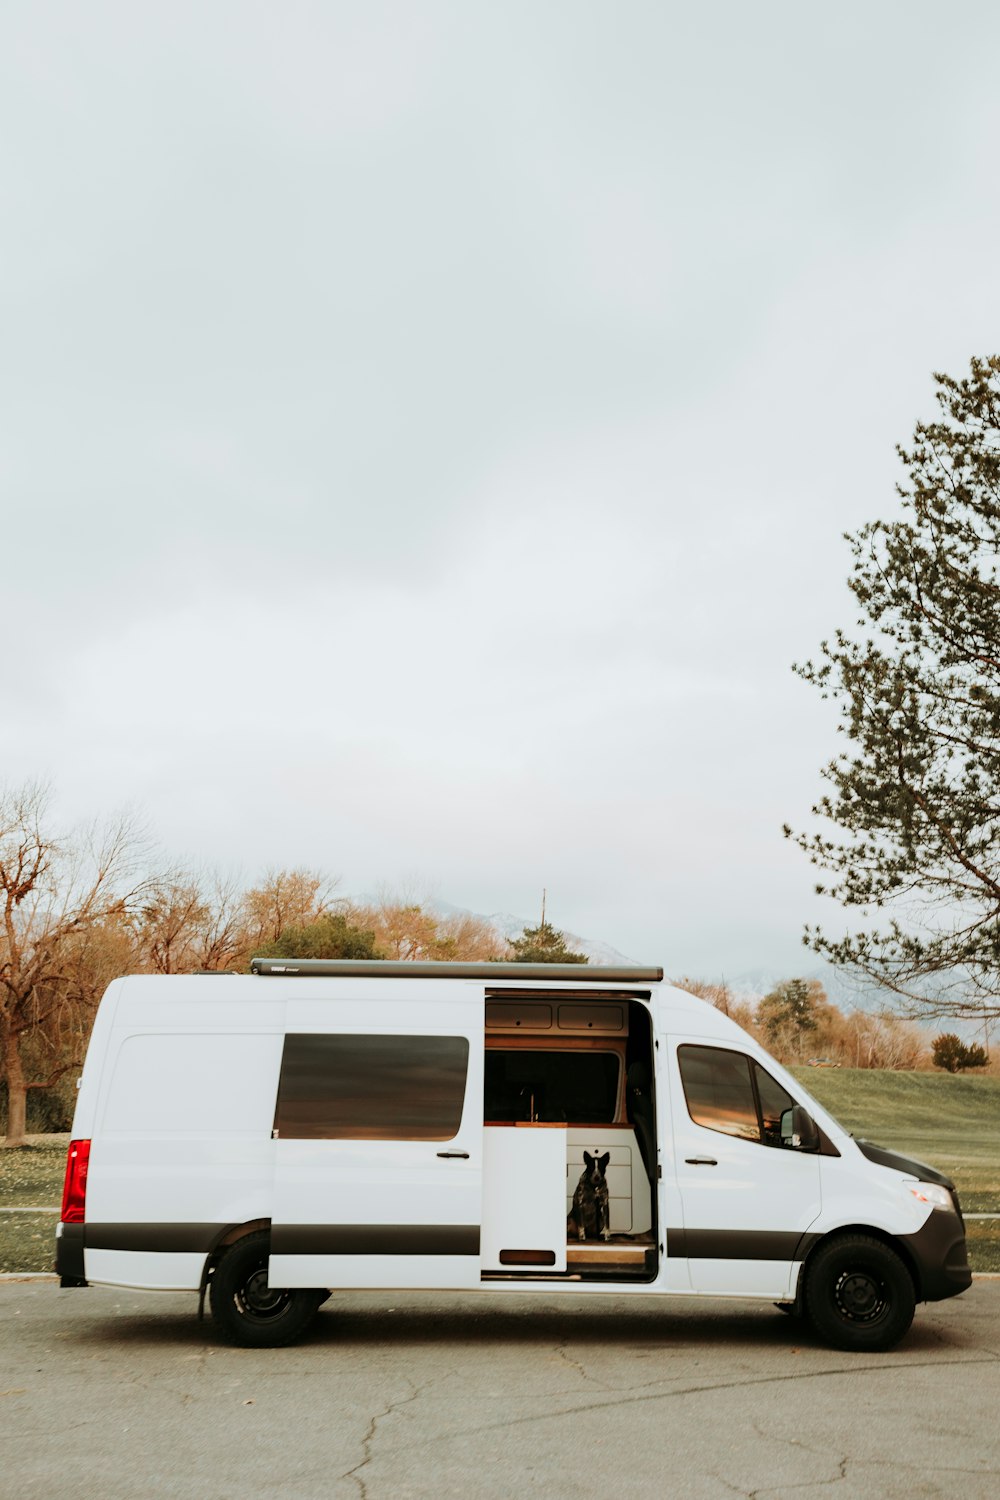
589,1217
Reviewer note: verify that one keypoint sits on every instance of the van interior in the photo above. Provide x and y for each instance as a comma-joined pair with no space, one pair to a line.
567,1074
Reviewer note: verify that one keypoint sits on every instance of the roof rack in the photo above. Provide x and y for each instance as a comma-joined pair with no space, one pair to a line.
368,968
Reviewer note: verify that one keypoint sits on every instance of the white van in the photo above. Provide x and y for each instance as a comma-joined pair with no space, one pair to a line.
330,1125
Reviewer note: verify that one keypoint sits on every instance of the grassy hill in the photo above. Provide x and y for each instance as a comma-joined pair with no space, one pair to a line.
951,1121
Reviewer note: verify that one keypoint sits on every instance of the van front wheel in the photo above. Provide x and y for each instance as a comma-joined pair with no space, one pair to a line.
250,1312
859,1294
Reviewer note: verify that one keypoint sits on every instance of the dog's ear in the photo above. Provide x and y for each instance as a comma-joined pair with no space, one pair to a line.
604,1159
588,1158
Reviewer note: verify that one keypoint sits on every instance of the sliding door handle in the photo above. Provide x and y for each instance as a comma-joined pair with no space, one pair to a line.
700,1161
462,1155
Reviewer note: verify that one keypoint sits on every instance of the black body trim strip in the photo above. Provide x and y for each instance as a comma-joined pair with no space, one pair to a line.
739,1244
165,1239
374,1239
288,1239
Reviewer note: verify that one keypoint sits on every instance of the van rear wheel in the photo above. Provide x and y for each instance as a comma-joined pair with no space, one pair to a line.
859,1294
250,1312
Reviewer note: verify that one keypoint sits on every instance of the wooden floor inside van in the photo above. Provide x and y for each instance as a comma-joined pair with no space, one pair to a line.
621,1251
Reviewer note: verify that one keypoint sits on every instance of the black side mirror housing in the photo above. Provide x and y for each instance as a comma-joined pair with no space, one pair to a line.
799,1130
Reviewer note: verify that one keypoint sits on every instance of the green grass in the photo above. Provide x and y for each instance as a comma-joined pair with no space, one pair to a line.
27,1242
950,1121
983,1239
32,1175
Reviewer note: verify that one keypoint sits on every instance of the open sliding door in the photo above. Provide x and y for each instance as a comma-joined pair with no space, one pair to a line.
379,1142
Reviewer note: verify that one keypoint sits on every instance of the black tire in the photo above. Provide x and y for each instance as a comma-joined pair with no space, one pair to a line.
859,1293
249,1312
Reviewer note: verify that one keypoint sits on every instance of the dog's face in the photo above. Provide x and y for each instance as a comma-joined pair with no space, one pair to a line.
595,1166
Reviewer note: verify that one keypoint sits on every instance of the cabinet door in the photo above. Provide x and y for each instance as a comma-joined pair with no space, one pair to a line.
524,1220
379,1142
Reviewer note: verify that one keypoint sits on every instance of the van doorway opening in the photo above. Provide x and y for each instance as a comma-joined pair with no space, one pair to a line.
568,1094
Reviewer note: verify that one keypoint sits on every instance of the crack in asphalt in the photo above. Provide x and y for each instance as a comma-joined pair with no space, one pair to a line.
873,1463
369,1438
691,1390
560,1350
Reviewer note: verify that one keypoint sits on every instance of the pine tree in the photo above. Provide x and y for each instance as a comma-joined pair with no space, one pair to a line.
916,797
543,945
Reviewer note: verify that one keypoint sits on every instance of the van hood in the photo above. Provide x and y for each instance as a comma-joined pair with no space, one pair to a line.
908,1164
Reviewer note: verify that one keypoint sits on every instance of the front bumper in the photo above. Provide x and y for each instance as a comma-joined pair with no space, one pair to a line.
939,1254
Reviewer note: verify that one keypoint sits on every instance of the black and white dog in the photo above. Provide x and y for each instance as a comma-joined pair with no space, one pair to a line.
589,1216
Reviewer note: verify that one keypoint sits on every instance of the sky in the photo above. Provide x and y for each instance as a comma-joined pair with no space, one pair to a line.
427,432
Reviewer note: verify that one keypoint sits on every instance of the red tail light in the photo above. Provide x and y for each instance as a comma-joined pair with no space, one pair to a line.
75,1187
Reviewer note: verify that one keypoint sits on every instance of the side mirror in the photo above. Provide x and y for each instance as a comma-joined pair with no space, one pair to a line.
799,1130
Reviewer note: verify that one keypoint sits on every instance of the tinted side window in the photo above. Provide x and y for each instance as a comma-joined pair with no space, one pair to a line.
774,1100
719,1090
551,1086
371,1088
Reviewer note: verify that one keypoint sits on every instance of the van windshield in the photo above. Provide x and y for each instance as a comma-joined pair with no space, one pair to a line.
551,1086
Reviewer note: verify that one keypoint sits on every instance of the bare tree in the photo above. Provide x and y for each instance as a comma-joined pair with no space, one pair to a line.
741,1010
406,927
884,1040
285,898
56,899
169,926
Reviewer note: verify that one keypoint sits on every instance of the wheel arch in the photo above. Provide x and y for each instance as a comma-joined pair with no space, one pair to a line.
229,1236
891,1241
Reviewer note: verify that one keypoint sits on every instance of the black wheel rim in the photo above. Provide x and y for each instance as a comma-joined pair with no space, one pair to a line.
260,1302
861,1296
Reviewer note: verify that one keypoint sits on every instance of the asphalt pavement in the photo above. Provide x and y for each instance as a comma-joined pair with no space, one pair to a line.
116,1394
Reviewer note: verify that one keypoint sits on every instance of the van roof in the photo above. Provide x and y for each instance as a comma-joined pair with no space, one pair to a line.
582,974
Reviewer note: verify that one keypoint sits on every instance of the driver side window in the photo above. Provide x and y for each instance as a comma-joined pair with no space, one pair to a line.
730,1092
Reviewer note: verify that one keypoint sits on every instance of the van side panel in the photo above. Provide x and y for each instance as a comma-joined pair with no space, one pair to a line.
182,1147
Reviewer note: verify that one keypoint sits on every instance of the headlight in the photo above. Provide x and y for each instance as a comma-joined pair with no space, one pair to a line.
932,1193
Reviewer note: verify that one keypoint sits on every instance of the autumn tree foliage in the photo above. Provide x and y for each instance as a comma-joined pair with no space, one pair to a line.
63,906
914,799
797,1019
407,929
79,913
718,993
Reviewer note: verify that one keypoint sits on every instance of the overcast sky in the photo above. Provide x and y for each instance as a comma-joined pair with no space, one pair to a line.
428,429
